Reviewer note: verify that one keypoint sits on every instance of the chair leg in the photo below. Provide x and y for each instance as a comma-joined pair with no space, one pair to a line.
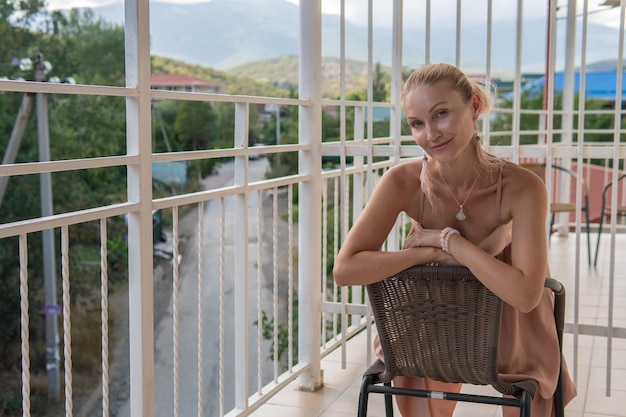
588,237
559,408
364,394
526,400
388,402
595,259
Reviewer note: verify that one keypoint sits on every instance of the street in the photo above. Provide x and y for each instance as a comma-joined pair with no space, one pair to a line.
188,308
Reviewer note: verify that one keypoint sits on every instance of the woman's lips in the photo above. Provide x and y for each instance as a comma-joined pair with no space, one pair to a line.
441,145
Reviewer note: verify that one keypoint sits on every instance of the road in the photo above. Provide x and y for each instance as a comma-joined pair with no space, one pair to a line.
188,311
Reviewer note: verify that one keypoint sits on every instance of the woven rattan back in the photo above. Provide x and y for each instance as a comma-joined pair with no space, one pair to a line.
437,322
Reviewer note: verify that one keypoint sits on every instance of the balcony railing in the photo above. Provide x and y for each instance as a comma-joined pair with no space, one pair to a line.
239,300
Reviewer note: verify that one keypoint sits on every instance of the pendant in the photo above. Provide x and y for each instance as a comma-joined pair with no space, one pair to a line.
460,216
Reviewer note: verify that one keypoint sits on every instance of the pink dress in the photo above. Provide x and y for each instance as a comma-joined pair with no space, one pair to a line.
528,349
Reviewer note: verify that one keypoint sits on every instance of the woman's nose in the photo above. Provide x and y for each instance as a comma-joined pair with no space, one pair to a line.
432,132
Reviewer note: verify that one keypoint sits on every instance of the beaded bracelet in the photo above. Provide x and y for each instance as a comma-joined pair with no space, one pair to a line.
444,238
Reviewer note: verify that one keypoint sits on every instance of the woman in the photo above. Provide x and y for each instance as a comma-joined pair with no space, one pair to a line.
467,207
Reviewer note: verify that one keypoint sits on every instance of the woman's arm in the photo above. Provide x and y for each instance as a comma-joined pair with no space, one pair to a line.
360,261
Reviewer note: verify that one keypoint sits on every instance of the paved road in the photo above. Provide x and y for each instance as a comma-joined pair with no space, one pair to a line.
188,312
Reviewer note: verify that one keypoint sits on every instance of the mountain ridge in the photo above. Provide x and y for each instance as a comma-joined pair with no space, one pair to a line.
226,34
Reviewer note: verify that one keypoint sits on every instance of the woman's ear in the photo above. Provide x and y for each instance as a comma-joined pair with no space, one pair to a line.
476,106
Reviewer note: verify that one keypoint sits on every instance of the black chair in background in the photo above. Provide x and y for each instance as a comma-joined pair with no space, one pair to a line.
564,206
606,211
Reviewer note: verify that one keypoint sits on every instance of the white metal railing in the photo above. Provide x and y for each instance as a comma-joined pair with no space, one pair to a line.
241,248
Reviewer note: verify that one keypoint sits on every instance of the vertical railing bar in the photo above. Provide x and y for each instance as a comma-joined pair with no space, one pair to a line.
275,279
614,198
200,273
458,33
259,301
324,256
24,323
240,260
515,140
175,310
104,315
67,323
580,174
427,31
309,163
370,86
139,190
344,300
290,273
344,203
486,128
344,217
222,303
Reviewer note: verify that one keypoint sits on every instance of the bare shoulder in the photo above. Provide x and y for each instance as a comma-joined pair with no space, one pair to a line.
518,176
522,187
404,175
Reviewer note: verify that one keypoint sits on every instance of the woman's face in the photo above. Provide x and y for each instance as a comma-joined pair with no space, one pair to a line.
442,123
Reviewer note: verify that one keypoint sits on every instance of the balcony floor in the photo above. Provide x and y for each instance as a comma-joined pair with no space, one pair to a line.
339,396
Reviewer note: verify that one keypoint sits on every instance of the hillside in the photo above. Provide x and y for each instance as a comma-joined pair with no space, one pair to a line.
270,78
231,83
283,72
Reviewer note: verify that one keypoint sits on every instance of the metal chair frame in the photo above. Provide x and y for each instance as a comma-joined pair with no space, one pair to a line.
565,207
621,211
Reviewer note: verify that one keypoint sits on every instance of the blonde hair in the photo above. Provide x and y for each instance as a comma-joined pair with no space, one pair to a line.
454,78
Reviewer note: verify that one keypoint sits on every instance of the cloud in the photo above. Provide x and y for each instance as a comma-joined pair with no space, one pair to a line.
443,12
472,12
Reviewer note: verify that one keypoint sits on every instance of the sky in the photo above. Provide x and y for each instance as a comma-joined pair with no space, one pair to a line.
356,13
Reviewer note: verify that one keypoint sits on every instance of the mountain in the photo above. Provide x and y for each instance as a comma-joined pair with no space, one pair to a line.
224,34
283,72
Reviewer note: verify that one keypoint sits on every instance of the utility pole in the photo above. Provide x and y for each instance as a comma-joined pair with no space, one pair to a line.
51,309
16,139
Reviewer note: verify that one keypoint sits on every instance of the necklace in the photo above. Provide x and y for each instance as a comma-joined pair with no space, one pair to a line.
460,216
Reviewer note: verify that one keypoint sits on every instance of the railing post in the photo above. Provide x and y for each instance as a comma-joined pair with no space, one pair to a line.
240,276
310,163
140,265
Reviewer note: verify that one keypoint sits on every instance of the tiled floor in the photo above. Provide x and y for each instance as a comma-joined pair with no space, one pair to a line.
339,396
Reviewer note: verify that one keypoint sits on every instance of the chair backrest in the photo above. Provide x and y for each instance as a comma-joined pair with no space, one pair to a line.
437,322
607,190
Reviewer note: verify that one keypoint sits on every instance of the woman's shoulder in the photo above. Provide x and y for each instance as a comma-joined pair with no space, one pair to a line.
405,172
520,181
521,174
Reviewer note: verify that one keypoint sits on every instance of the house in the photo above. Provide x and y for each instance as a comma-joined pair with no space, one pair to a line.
599,85
182,82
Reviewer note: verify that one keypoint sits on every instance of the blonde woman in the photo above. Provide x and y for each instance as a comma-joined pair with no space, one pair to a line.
471,208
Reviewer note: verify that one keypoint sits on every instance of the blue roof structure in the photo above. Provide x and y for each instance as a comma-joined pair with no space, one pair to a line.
599,85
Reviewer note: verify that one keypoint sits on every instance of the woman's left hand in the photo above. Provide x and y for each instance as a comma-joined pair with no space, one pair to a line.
419,237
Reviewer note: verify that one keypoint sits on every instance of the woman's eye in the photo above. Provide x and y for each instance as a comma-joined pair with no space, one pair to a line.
416,124
441,113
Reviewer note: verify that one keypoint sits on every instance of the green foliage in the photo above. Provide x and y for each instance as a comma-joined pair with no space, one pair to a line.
281,349
503,122
267,325
231,84
194,125
25,10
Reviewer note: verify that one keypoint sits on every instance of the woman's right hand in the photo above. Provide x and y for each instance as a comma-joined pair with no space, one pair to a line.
419,237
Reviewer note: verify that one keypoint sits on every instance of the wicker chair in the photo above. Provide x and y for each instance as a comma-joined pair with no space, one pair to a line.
442,323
